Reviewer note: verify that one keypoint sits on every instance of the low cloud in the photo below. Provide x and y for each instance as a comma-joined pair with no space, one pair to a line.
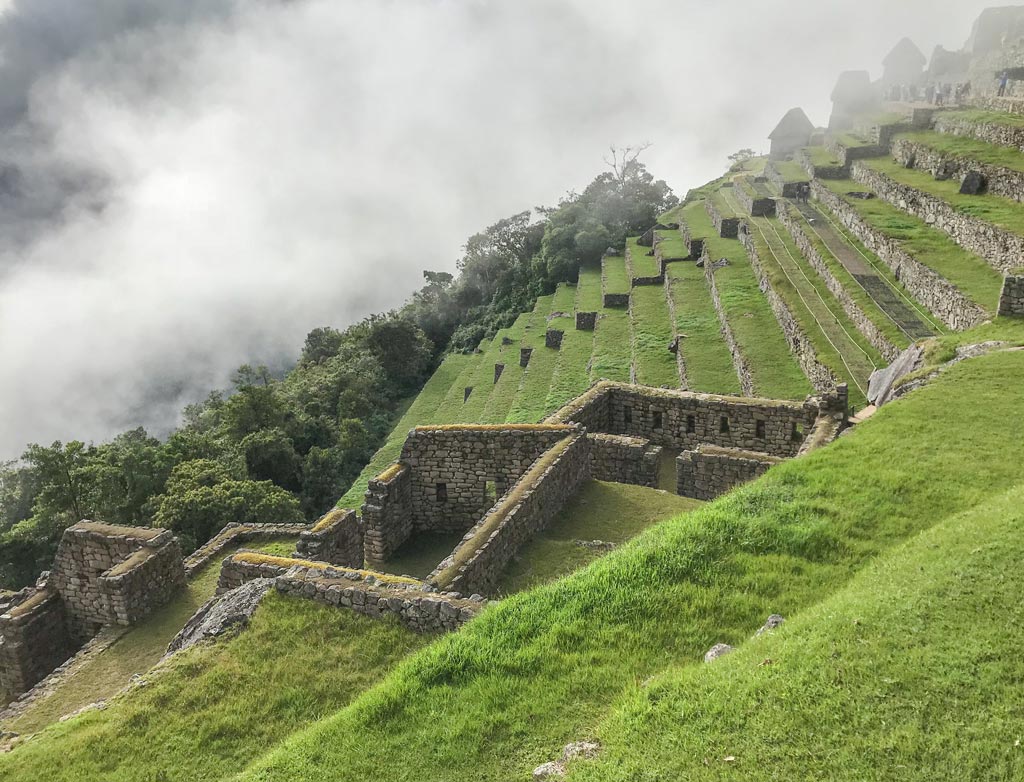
188,186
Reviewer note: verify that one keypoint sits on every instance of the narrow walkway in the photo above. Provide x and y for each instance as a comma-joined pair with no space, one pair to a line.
910,317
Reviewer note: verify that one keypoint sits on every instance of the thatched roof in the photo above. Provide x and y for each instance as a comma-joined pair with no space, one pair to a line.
905,53
795,123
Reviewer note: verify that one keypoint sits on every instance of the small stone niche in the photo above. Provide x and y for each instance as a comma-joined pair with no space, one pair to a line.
586,321
498,370
524,357
553,339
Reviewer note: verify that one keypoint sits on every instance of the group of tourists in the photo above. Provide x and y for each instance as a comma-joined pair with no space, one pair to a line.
803,192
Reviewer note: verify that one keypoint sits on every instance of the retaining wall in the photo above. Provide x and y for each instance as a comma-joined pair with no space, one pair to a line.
863,323
235,534
739,361
478,561
989,132
1011,300
848,155
336,538
693,243
755,206
673,315
800,345
941,297
727,227
821,172
1000,249
622,459
1001,181
709,472
789,189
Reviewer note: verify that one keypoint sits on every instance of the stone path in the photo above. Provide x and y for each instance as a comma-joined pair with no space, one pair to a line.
891,302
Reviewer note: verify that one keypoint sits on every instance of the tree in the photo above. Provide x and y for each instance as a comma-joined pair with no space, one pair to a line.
321,344
737,159
270,456
403,350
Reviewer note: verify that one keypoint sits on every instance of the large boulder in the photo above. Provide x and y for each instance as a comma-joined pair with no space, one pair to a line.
883,381
229,612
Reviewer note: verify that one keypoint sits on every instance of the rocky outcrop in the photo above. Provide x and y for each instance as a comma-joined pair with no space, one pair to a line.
229,612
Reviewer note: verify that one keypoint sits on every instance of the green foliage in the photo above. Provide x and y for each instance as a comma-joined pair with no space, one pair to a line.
656,365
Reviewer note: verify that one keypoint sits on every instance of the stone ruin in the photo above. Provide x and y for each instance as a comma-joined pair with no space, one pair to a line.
102,576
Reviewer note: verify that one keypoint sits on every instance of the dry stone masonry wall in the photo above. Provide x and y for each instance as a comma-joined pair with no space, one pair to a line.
34,639
387,514
1001,181
727,227
709,472
739,361
942,298
821,172
1001,249
337,538
235,534
989,132
621,459
1011,301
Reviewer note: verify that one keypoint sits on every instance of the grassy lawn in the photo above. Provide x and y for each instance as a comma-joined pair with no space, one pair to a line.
820,156
980,117
422,411
614,274
791,171
671,244
867,305
497,353
551,665
503,395
609,512
421,553
214,708
852,140
652,332
613,352
911,672
530,405
726,207
774,370
572,372
997,210
138,650
929,246
588,289
643,265
970,148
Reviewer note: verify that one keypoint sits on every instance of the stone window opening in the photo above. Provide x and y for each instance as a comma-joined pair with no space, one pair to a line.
467,394
658,421
798,432
491,491
691,424
627,415
759,431
723,425
441,491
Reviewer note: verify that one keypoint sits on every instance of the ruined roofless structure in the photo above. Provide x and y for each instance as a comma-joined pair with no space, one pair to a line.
792,133
852,95
904,64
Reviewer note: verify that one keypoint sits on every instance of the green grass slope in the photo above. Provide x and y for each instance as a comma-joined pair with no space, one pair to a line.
912,672
547,666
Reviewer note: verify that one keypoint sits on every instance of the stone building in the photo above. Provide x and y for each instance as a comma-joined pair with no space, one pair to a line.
904,64
853,95
791,134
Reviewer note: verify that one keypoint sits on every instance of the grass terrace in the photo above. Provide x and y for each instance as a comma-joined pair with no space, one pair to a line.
930,246
530,404
588,289
643,265
652,332
612,358
423,410
615,277
791,171
972,149
853,140
504,393
726,207
572,372
608,512
1002,212
572,659
983,117
821,157
482,380
775,372
671,243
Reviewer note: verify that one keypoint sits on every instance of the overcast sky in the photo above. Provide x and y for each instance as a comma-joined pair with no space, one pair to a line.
186,185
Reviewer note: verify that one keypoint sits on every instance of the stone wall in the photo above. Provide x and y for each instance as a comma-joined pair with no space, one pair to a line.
683,420
659,251
673,315
754,205
336,538
490,545
34,639
789,189
1001,249
942,298
727,227
457,472
1011,301
615,300
821,172
235,534
800,345
415,604
387,514
739,361
1000,181
852,309
586,321
114,575
693,243
621,459
709,472
847,155
992,102
989,132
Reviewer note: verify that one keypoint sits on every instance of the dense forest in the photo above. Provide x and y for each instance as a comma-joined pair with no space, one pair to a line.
283,449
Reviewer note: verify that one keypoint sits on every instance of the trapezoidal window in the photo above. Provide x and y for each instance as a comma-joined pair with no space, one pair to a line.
467,393
491,491
691,424
657,419
797,433
759,430
723,425
441,491
627,415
